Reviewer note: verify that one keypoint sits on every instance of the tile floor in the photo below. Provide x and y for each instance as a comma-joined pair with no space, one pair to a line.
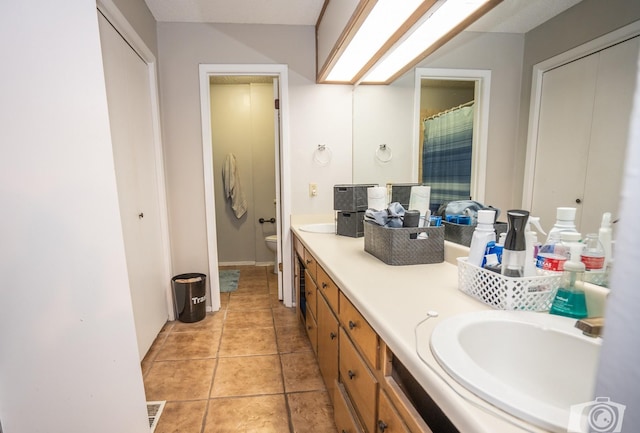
246,368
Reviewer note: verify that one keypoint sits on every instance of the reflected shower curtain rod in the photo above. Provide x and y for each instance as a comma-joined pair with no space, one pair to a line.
466,104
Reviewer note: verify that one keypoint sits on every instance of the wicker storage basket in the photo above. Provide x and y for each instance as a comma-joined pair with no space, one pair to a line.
462,234
395,246
507,293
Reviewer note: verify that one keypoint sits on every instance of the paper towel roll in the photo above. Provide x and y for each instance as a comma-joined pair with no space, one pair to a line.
419,200
377,197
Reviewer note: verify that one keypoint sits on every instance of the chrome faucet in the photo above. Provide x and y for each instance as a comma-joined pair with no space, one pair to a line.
591,327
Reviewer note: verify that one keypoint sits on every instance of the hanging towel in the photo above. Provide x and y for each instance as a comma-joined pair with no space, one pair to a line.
232,188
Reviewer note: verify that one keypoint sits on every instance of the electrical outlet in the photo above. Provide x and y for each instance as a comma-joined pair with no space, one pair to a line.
313,189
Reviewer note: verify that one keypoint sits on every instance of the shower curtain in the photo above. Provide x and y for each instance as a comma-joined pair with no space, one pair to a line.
446,155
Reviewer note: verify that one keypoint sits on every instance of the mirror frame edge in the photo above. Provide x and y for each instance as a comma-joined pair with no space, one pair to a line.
482,96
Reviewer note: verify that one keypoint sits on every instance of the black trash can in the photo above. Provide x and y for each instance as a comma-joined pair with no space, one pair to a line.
189,297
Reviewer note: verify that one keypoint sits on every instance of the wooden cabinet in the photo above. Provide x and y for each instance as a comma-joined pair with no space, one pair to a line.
359,330
328,329
328,288
359,381
389,420
312,330
310,263
311,294
343,412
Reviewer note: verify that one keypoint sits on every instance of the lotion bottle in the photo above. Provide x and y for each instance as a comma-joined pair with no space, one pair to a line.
565,222
605,237
482,235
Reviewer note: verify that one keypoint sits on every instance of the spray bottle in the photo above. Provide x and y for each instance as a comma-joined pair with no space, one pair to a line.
532,246
514,253
605,237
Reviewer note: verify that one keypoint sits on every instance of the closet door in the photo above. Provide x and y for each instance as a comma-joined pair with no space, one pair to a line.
609,132
130,115
582,135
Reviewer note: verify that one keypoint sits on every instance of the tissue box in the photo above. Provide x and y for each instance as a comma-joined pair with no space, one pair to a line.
395,246
351,224
462,234
350,197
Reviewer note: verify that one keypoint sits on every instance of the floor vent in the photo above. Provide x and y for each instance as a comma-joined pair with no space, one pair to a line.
154,410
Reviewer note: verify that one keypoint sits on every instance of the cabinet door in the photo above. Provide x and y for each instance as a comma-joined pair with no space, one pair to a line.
312,330
311,293
359,330
343,412
389,421
360,383
327,344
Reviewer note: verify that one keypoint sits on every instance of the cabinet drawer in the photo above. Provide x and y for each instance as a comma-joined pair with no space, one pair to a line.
359,382
343,412
312,330
310,263
327,344
328,288
297,247
389,421
360,331
311,294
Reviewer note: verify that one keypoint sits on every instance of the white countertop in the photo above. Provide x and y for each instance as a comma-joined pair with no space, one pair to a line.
394,299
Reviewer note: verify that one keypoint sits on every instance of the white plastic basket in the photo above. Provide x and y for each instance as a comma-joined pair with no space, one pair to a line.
507,293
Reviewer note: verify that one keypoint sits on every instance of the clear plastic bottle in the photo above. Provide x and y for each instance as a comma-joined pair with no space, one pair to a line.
548,260
593,256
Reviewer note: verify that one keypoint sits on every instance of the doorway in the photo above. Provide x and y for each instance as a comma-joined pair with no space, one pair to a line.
278,74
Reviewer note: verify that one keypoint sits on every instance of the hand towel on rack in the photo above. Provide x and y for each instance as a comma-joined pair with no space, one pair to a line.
232,187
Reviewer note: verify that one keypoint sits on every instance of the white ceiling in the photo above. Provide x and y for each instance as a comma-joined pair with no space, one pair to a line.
510,16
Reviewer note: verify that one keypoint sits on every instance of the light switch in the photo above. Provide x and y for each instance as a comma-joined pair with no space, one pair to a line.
313,189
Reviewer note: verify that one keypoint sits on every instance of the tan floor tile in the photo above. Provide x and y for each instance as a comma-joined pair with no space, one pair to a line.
292,339
243,342
153,351
301,372
190,345
182,417
285,316
263,414
249,375
211,322
249,319
179,380
311,412
240,301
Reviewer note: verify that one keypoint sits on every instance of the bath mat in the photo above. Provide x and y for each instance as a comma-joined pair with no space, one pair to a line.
229,280
154,410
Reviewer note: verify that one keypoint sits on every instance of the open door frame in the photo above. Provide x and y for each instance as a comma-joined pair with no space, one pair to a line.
283,174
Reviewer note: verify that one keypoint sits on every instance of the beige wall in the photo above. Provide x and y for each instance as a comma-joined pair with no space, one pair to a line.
578,25
242,122
318,114
141,19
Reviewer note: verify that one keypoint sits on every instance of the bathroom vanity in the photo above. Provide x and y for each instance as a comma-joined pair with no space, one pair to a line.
366,323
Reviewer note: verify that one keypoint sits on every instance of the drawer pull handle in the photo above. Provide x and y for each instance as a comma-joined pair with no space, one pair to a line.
382,426
324,285
332,335
351,324
308,293
308,261
351,374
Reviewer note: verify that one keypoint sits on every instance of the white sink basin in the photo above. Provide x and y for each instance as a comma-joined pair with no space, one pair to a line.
531,365
319,228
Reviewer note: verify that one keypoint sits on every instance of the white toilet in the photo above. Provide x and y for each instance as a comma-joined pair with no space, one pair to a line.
272,244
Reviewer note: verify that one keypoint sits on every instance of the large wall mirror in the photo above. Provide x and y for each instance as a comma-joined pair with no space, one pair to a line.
391,144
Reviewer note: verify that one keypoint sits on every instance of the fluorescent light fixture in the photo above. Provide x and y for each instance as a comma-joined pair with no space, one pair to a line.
432,27
386,17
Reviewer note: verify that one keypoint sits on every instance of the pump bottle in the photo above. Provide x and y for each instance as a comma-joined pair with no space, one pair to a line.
604,235
570,299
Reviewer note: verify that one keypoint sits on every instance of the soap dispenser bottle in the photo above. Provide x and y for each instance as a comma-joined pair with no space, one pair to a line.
570,299
514,254
482,235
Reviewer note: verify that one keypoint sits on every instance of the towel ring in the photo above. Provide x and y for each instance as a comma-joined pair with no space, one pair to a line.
322,155
384,154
